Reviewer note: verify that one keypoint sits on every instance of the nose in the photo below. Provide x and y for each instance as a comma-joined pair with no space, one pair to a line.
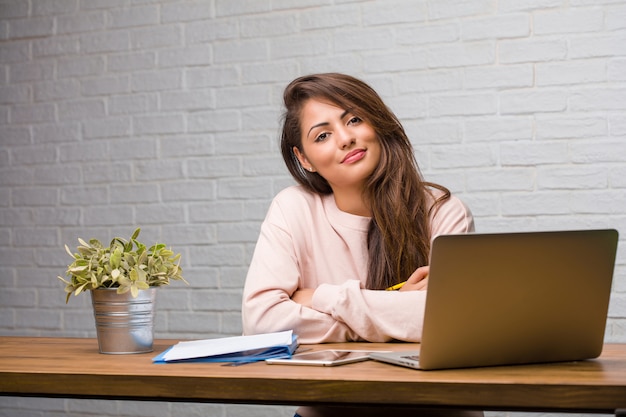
345,138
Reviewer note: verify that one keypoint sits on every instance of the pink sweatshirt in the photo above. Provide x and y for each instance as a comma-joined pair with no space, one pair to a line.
307,242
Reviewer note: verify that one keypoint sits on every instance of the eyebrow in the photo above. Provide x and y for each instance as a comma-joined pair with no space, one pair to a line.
326,123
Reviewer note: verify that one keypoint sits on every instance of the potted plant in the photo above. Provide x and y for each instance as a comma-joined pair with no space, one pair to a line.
122,278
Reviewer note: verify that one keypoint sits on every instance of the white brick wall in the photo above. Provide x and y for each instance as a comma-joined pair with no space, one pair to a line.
165,115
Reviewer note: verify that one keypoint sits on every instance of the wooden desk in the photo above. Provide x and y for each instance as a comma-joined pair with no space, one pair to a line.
73,368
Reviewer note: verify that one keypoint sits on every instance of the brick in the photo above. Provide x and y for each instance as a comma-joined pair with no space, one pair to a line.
223,167
501,76
156,81
594,99
132,103
214,121
238,143
132,61
106,173
462,156
105,86
617,124
425,34
393,61
110,127
109,215
180,235
529,204
466,104
55,46
426,132
525,153
56,90
409,106
14,135
240,51
216,300
186,11
327,17
594,202
81,109
158,124
34,155
598,46
510,179
431,80
135,193
228,8
565,73
533,102
34,196
80,66
531,50
14,9
57,217
109,41
617,69
188,191
154,170
203,31
239,97
356,40
616,17
33,113
54,8
263,166
597,152
268,72
217,211
187,146
199,321
16,176
85,195
14,94
31,71
268,25
447,9
188,100
156,37
527,5
237,232
586,178
391,12
498,129
80,22
190,56
133,16
570,126
568,21
243,188
34,27
500,26
211,77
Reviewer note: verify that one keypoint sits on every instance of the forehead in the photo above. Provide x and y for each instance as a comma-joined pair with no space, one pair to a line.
318,110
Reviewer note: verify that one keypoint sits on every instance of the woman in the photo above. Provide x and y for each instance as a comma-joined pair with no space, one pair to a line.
360,220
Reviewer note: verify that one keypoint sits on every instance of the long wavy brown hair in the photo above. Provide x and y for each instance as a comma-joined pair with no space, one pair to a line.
399,199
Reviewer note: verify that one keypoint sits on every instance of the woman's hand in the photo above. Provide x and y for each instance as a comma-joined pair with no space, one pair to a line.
303,296
418,281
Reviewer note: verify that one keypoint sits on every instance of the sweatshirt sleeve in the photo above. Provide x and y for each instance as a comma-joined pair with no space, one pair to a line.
382,316
273,276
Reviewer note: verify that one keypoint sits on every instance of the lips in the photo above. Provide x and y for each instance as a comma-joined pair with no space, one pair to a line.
353,156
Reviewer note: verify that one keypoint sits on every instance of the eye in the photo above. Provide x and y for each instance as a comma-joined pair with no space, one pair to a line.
354,120
321,137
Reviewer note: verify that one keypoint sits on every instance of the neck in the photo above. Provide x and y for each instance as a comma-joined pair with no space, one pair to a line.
352,201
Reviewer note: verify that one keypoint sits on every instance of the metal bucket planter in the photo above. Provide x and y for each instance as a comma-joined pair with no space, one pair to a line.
124,324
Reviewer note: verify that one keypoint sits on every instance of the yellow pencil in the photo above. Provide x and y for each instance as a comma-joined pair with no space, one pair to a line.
396,287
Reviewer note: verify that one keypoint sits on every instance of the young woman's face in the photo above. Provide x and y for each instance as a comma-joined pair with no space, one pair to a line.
337,144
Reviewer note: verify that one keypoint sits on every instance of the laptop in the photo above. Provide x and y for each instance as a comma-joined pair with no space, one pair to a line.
514,298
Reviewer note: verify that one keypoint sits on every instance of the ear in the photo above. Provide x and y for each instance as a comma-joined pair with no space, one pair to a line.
304,162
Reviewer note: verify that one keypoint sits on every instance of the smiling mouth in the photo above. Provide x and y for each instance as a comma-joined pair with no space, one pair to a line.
353,156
